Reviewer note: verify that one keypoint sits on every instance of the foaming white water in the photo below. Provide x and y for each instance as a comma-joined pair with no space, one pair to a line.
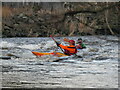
83,51
5,44
49,44
30,46
27,54
99,64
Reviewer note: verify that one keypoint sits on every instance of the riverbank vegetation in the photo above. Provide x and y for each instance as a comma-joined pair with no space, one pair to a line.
20,19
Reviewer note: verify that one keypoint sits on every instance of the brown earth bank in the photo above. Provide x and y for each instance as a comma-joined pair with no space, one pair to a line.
42,19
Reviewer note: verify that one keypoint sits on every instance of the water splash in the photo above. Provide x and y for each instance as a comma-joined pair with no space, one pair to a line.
5,44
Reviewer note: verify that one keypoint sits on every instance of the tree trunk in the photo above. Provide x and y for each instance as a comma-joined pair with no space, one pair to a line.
106,18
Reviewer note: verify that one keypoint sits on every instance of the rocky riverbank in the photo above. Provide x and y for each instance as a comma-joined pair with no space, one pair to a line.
60,19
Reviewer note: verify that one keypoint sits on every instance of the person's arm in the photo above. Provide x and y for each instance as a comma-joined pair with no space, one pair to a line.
83,45
78,46
63,47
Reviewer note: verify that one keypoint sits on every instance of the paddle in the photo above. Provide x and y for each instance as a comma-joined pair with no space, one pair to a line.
53,38
66,40
56,42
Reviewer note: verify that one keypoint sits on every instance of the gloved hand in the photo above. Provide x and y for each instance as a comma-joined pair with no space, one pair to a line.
57,43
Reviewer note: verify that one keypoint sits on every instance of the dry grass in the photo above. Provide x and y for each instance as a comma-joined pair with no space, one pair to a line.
6,12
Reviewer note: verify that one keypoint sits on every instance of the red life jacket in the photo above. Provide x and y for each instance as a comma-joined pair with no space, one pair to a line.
69,50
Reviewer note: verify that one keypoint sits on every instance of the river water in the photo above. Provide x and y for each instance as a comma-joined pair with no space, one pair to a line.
98,67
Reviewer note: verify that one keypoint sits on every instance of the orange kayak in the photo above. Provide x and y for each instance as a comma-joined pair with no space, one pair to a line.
58,54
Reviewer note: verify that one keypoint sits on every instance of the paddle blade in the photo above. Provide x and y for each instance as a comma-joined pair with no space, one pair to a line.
66,40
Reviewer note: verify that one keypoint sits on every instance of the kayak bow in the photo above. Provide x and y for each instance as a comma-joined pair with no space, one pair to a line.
58,54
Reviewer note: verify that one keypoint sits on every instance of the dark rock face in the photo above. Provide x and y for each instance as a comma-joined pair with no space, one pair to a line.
61,19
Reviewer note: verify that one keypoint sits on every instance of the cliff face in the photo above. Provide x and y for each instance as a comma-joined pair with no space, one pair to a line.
62,19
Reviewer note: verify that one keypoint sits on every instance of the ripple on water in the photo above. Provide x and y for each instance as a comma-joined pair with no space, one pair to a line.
93,67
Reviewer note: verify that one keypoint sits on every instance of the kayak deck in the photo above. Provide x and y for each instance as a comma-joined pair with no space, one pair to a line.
58,54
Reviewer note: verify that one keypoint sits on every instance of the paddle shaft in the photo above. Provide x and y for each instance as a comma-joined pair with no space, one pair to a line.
56,42
53,38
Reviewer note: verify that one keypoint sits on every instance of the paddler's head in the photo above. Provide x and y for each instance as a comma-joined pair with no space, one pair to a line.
79,40
71,42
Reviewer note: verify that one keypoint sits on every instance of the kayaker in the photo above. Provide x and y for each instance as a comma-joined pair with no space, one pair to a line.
68,50
80,43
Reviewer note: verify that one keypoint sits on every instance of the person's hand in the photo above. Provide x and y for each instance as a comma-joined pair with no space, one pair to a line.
57,43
